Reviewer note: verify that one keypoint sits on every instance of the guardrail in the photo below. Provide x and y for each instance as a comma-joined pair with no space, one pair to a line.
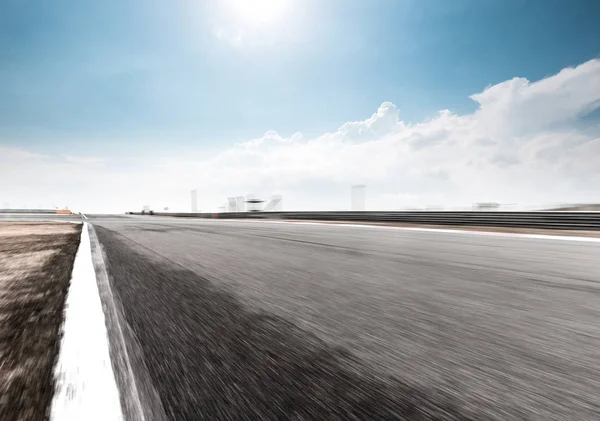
541,219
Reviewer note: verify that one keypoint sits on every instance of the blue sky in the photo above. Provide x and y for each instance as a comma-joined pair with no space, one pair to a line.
91,75
136,102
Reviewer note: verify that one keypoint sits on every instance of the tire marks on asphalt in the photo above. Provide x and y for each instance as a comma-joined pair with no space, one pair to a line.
210,357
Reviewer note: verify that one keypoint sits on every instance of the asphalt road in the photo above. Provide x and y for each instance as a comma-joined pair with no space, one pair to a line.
234,320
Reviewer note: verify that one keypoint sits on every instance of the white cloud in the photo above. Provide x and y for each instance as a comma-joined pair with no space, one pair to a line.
383,122
524,144
84,160
517,106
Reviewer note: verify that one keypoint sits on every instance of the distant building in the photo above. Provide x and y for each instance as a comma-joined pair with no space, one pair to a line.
253,204
194,200
232,204
240,204
486,206
358,197
276,204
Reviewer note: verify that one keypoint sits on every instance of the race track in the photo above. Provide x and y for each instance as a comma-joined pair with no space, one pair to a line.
236,320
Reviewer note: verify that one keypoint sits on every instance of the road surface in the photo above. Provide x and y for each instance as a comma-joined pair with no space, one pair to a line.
232,320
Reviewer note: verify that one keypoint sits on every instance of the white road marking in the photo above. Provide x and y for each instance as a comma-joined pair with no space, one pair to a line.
86,386
82,214
162,219
440,230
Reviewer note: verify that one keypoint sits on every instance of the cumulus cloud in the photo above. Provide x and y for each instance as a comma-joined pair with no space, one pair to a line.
523,144
518,106
383,122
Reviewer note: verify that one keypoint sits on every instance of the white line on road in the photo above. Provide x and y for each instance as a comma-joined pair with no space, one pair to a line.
85,381
440,230
82,214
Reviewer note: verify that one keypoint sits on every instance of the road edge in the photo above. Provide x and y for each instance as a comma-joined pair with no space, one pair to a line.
84,378
139,399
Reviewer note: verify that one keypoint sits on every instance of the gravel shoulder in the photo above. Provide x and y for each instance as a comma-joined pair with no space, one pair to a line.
36,260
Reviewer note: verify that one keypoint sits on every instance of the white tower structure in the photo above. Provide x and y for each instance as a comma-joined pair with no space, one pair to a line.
358,197
194,201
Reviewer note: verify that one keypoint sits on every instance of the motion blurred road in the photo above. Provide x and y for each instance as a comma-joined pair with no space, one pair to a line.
233,320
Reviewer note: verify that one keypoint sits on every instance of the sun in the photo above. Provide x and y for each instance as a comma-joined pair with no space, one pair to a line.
259,12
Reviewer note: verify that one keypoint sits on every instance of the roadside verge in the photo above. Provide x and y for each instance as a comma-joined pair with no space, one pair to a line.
36,260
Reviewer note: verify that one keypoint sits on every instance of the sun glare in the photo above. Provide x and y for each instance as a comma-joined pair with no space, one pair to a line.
259,12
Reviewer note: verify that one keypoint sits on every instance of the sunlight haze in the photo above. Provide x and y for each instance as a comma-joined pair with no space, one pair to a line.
111,106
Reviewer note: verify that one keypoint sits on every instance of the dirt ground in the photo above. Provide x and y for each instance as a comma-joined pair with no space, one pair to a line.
36,260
